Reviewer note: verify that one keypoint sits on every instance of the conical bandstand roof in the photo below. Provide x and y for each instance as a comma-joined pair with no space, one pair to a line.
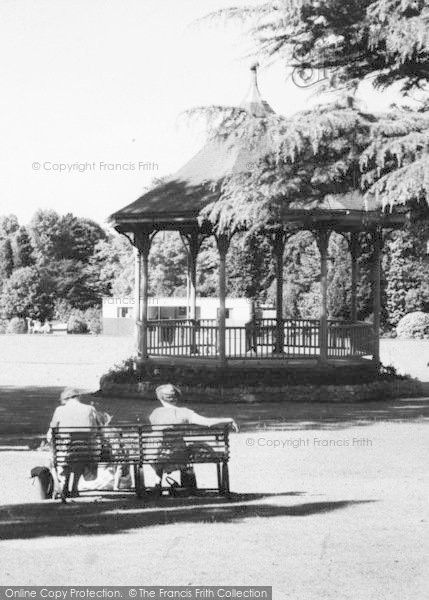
183,195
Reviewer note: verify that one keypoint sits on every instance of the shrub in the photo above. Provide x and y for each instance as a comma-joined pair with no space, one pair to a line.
414,325
122,373
93,320
76,324
3,325
74,317
218,378
199,384
16,325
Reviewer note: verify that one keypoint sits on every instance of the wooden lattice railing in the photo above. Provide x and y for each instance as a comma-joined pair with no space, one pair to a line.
258,339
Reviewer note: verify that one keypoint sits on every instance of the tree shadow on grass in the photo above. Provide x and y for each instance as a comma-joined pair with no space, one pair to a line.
26,412
117,515
300,416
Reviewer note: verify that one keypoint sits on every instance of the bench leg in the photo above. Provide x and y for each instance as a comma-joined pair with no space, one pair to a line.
65,487
225,491
139,481
219,478
118,475
73,474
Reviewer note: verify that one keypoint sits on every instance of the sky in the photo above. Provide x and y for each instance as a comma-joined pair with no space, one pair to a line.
93,93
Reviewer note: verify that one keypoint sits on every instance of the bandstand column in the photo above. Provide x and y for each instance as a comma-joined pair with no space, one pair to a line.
279,247
354,253
377,241
143,243
192,242
322,242
193,282
137,284
223,245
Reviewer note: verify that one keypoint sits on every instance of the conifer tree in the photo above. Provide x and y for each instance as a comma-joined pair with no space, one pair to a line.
24,248
6,259
299,161
350,41
387,40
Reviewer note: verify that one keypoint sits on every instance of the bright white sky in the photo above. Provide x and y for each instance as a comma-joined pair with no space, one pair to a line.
90,81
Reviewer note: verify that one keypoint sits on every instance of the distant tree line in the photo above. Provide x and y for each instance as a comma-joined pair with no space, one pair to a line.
59,267
47,268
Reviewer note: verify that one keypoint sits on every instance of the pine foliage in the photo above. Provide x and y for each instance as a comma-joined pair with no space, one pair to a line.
395,164
350,40
297,161
6,259
384,39
24,248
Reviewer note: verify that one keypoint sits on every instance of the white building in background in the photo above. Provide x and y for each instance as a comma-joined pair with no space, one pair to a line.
118,313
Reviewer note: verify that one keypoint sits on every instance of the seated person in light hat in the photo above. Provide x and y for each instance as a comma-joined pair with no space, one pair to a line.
170,414
74,413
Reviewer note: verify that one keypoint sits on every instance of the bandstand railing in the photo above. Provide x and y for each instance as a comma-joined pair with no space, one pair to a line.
257,339
350,339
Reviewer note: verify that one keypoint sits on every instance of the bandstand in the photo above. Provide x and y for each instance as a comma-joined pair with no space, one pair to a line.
175,205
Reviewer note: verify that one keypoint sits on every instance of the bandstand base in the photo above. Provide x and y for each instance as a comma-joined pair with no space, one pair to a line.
295,381
259,372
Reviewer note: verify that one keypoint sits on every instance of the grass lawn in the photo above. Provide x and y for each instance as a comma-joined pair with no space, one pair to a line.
80,360
321,520
50,360
330,501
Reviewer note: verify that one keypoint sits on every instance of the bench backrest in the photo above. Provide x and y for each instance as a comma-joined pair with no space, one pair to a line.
140,444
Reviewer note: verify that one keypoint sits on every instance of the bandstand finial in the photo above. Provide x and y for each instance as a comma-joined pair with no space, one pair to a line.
254,102
254,70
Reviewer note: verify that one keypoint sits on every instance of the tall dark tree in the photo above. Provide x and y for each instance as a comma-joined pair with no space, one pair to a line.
77,238
6,259
73,283
250,267
167,261
208,269
302,160
45,230
350,41
301,269
24,248
112,266
66,237
405,267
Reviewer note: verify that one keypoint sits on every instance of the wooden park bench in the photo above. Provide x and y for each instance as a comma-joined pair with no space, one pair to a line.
164,447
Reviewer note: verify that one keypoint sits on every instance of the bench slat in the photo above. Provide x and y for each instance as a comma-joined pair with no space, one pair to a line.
141,444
